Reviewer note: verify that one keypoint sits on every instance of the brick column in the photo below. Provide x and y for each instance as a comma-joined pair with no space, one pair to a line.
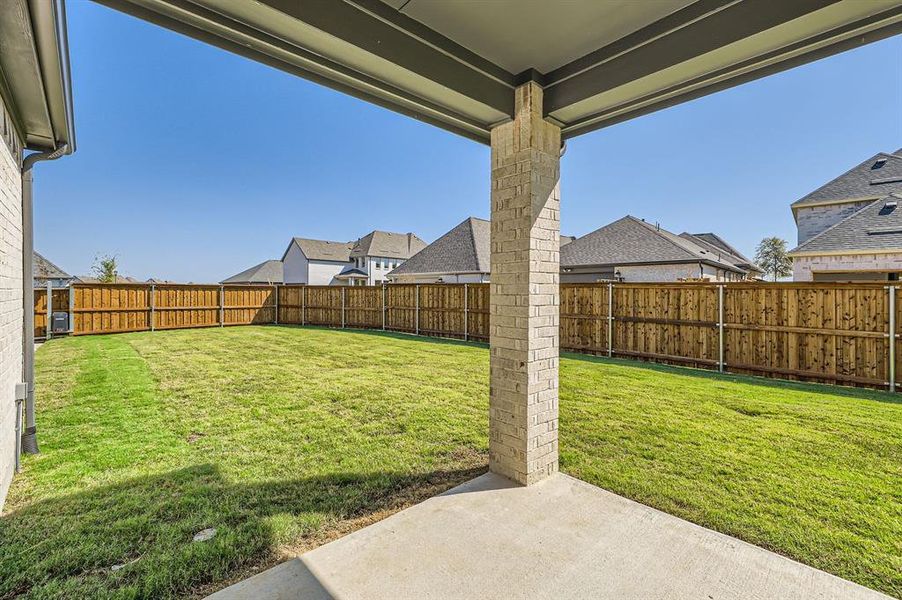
523,408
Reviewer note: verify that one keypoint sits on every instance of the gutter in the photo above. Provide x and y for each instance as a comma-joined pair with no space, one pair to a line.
28,436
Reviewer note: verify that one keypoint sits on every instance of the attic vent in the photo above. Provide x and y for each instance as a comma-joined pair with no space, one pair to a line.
890,204
878,163
886,180
884,230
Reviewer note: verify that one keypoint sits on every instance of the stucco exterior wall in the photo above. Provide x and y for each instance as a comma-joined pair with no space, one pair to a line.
805,267
11,313
812,221
323,273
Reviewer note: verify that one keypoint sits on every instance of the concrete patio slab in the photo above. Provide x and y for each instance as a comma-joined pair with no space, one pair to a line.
561,538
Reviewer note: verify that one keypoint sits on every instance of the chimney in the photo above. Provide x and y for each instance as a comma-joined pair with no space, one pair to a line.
409,243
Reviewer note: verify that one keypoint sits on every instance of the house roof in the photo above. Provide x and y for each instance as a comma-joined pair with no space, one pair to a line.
119,279
322,249
632,241
876,177
566,239
387,244
464,249
269,271
44,269
352,273
877,226
716,244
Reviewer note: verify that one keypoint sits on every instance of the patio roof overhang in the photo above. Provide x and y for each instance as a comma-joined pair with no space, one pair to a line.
456,64
34,73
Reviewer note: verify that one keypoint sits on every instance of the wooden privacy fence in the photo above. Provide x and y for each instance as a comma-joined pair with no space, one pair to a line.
829,332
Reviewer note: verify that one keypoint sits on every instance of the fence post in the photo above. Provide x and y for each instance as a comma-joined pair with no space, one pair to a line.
892,338
466,313
48,328
277,304
71,309
720,364
416,310
303,304
343,290
610,320
383,306
153,302
221,305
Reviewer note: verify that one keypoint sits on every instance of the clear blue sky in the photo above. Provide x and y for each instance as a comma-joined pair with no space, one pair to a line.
194,164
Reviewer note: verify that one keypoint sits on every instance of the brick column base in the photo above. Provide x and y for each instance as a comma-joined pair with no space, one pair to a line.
525,301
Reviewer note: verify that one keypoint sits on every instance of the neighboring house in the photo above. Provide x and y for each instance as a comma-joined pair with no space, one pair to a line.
364,262
92,279
846,228
630,249
267,272
460,256
46,272
377,253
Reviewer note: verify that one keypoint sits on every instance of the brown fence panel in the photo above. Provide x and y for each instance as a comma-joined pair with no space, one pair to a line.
110,308
401,307
249,304
291,304
478,311
441,309
820,332
184,306
584,317
667,322
323,305
363,307
60,304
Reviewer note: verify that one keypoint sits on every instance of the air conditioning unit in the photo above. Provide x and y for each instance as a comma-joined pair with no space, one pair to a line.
60,322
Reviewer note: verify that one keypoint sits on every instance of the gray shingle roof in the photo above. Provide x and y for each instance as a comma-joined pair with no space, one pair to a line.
464,249
387,244
269,271
874,178
726,252
877,226
323,249
632,241
44,269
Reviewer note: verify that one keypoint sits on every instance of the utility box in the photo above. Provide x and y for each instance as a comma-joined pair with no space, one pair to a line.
60,322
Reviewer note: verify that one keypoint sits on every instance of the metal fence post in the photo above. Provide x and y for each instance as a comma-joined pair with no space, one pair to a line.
71,309
610,320
466,313
892,338
153,302
417,309
221,305
343,290
48,329
383,306
720,364
276,319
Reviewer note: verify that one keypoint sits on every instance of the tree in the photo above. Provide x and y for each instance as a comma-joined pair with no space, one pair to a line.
771,256
105,268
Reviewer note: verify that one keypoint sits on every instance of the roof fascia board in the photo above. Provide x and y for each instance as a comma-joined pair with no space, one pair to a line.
796,207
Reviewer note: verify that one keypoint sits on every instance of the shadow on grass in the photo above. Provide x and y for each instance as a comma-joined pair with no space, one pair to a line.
135,538
766,382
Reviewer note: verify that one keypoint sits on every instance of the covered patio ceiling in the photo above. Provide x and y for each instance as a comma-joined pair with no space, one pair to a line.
456,64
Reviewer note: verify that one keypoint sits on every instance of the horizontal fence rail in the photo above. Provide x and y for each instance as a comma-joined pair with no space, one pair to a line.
828,332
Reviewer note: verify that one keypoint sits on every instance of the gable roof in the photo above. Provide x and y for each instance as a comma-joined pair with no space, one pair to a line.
716,244
44,269
874,178
387,244
877,226
632,241
464,249
269,271
322,249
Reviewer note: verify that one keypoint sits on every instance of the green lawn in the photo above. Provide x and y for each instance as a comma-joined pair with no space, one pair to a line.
283,438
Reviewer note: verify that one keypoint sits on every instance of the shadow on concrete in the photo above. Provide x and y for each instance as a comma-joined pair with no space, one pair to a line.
134,538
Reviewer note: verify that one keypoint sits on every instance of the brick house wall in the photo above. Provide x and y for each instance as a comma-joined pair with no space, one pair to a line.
805,267
813,220
11,312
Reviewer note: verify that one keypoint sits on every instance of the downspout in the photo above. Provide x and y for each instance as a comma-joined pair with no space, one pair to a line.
29,435
28,439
